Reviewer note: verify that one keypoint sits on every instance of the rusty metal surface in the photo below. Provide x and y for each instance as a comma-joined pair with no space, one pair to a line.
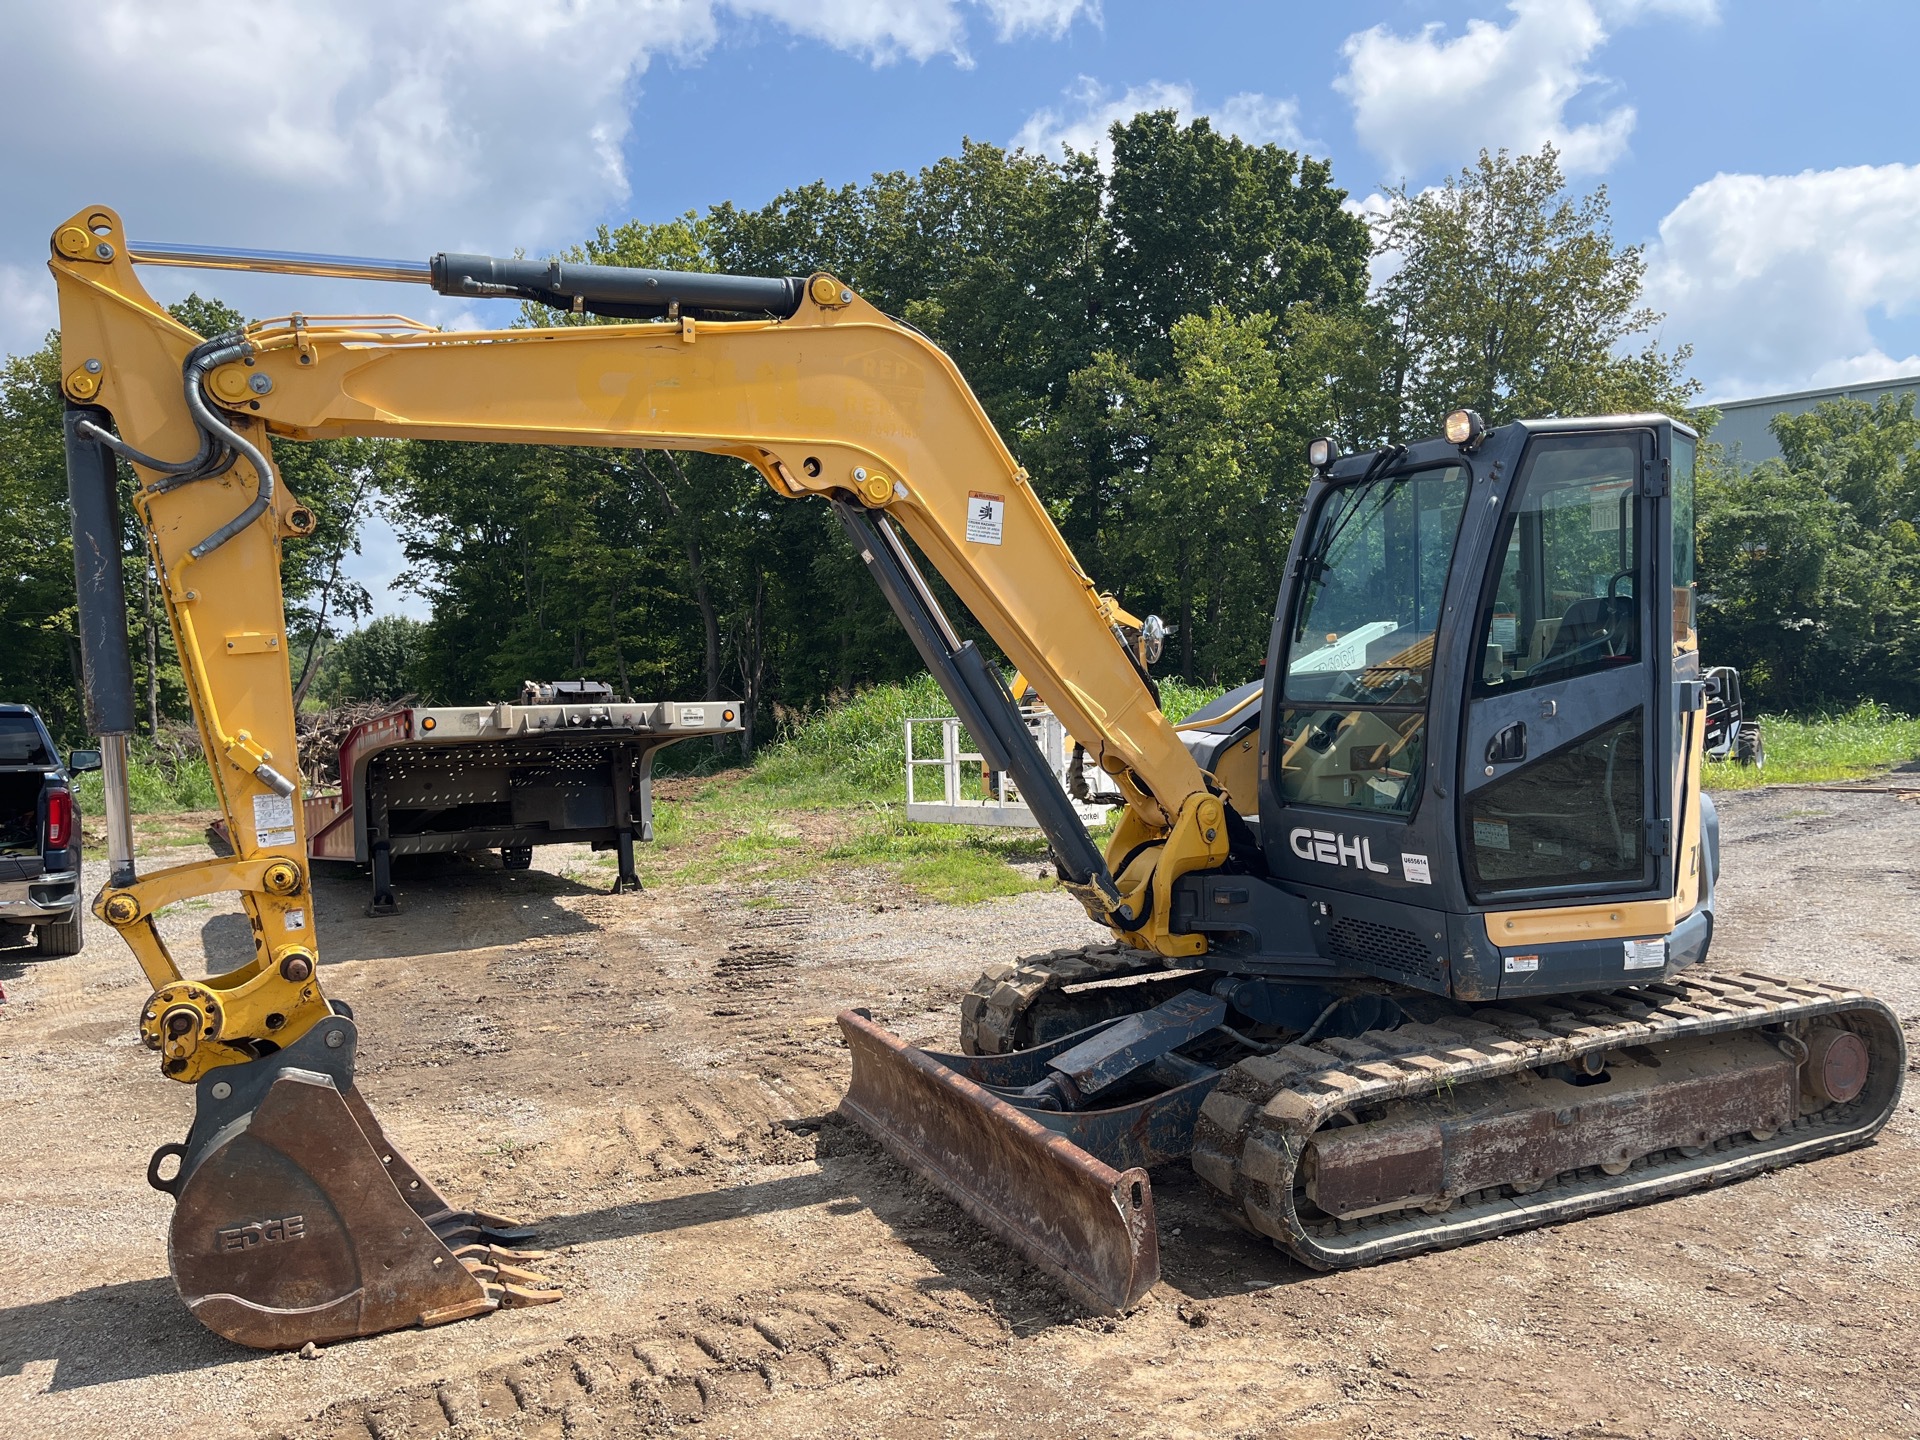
1085,1223
289,1230
1269,1113
1526,1128
1151,1130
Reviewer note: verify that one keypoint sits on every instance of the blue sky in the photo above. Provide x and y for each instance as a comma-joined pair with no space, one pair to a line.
1763,151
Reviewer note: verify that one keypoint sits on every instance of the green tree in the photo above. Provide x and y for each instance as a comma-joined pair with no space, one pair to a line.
377,661
1810,564
1510,296
39,658
1209,485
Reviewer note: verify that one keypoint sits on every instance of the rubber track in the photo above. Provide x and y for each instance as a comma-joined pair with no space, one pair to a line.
992,1012
1255,1127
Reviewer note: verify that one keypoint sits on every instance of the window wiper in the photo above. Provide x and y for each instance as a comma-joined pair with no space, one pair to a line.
1313,565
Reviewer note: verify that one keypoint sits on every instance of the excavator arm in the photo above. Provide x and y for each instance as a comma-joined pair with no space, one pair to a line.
822,394
833,400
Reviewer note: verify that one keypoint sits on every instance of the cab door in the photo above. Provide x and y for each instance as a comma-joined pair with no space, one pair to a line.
1564,794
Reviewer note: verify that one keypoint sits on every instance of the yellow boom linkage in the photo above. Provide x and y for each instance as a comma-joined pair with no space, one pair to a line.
836,400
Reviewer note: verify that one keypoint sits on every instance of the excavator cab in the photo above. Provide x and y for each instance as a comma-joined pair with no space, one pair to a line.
1485,719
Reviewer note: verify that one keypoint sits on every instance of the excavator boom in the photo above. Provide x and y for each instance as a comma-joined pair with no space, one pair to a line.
800,379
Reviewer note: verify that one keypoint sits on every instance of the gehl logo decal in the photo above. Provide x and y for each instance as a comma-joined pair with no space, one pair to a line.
266,1232
1327,848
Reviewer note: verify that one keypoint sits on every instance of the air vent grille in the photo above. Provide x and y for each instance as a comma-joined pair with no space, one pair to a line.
1383,948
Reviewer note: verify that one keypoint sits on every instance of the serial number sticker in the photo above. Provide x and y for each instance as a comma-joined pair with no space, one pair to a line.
986,517
1522,964
693,714
296,919
1416,868
273,820
1645,954
1490,834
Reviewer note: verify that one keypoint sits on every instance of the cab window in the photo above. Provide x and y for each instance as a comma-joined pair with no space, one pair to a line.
1564,603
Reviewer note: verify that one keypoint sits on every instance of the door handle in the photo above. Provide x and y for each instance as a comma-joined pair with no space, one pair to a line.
1509,745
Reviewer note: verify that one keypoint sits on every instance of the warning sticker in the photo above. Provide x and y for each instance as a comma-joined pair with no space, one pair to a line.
1645,954
693,714
296,919
986,517
273,820
1416,869
1522,964
1490,834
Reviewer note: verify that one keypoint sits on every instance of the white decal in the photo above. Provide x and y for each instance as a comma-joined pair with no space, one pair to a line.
1416,868
693,714
986,517
1490,834
273,820
1645,954
296,919
1324,847
1522,964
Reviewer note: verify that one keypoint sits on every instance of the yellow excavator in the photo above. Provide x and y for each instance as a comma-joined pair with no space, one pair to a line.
1406,936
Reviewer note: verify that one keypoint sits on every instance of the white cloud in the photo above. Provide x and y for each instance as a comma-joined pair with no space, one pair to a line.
1776,279
371,127
1091,110
1424,99
1052,18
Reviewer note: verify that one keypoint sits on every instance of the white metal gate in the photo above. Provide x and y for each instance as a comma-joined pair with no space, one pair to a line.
970,793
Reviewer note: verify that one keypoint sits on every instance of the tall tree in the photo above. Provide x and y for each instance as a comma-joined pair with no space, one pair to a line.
1810,564
1510,296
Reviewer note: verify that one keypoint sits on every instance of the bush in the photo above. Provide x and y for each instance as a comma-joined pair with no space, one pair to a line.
159,781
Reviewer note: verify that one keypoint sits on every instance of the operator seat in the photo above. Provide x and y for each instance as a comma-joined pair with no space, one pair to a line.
1608,618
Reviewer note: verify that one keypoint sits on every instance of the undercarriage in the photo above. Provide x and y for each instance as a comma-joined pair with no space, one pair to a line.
1386,1124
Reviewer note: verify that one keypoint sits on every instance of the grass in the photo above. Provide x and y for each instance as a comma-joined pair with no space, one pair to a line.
158,784
828,794
1864,741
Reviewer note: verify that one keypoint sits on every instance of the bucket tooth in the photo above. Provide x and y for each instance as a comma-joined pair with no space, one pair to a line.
1085,1223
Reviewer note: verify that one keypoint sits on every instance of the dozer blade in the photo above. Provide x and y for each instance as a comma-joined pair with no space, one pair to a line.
297,1220
1085,1223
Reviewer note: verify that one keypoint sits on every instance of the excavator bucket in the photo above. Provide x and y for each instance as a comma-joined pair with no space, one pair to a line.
1088,1225
297,1220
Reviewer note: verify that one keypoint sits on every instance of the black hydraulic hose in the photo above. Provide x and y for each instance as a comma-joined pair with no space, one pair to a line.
221,431
192,374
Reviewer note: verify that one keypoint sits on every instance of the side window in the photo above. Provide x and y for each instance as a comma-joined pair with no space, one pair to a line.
1572,816
1683,543
1564,603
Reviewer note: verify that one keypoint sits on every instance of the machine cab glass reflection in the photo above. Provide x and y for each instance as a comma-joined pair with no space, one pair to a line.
1360,653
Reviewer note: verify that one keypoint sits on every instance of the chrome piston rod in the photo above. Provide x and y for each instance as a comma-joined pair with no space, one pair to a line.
281,262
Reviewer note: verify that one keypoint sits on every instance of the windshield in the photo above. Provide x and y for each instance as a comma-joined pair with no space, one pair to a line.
1375,568
20,742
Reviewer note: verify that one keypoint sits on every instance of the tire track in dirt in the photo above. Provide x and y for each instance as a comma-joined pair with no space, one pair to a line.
705,1360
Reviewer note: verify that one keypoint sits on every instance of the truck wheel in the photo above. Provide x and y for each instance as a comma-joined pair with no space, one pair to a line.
59,937
516,857
1751,749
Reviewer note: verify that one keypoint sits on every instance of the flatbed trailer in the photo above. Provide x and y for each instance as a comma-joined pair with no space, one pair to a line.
438,780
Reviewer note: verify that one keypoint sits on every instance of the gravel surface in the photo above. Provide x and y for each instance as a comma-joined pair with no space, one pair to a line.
645,1076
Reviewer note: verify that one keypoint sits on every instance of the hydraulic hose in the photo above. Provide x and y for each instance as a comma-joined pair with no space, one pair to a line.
205,462
219,430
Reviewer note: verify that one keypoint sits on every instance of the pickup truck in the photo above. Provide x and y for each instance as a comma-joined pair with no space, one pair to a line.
39,834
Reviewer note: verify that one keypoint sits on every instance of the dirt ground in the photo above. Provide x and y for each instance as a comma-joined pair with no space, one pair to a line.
645,1076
